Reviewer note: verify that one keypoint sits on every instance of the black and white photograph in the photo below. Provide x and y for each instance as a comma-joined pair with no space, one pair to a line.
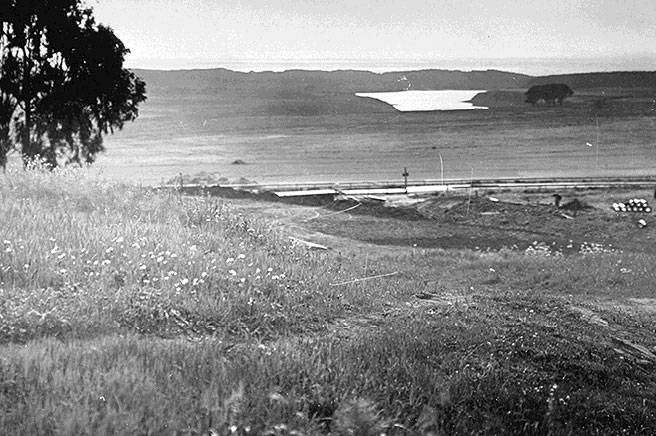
327,217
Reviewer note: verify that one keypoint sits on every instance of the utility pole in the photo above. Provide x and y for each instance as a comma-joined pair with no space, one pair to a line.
441,164
471,186
441,167
597,147
405,177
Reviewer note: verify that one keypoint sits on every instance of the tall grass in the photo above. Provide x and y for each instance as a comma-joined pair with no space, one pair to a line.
129,311
422,374
80,257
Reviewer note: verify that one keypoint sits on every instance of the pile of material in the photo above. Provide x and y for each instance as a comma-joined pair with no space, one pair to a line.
633,205
575,205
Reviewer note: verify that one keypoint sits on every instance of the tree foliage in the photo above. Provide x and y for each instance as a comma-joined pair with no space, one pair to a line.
551,93
62,81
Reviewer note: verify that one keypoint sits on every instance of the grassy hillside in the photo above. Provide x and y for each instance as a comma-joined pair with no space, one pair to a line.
126,311
84,258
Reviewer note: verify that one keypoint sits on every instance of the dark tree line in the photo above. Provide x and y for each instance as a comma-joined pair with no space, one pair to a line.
62,82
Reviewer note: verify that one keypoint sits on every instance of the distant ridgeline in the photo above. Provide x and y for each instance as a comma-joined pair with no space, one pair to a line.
303,92
628,79
332,81
364,81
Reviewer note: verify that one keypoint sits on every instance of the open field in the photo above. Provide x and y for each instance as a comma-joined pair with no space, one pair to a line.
125,311
298,127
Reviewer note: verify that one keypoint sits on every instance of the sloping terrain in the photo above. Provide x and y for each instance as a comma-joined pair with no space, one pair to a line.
128,311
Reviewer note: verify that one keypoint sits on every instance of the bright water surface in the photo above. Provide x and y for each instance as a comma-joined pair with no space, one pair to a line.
445,100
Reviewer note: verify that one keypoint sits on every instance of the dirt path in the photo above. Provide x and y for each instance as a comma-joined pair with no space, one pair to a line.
298,221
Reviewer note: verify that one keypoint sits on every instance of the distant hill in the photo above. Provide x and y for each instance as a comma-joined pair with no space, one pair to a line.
317,93
328,81
351,81
620,79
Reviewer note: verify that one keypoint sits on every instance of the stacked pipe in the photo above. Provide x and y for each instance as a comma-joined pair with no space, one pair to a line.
639,205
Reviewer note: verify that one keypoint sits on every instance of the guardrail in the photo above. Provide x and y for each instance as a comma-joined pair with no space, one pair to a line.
428,185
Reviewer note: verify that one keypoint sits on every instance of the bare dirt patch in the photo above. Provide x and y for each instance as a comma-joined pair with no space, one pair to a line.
479,223
518,221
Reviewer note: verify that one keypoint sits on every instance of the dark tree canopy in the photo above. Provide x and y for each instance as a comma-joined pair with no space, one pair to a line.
62,82
551,93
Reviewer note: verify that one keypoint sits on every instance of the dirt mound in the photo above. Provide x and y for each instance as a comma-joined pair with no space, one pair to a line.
492,224
575,205
482,208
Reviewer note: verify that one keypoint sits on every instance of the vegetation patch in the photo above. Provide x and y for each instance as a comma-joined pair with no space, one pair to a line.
131,311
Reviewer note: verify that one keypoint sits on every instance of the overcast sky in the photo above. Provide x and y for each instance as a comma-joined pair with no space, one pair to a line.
179,33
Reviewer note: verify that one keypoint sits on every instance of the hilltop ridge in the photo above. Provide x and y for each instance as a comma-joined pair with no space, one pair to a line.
224,80
616,79
351,81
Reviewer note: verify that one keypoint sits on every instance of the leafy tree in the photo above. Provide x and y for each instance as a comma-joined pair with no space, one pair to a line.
62,81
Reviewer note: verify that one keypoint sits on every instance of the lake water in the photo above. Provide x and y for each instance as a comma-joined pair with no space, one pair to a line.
409,101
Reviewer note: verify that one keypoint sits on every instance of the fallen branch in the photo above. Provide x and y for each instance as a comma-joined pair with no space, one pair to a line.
364,278
634,349
564,215
308,243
